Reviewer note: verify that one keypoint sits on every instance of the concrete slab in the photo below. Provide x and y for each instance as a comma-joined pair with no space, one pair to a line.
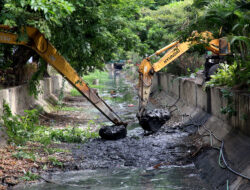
201,97
188,92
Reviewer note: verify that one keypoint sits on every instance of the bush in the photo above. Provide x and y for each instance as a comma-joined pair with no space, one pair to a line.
21,129
228,75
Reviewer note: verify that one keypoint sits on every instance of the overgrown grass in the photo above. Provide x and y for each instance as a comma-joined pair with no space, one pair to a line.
102,76
22,129
229,75
66,108
29,176
75,92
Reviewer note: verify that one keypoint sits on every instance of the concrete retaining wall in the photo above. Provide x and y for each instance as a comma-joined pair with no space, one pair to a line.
210,101
190,99
18,98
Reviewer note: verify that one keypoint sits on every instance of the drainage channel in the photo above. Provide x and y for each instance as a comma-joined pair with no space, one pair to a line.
155,161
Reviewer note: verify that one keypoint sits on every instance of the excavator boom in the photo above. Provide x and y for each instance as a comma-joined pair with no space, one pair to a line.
44,48
146,69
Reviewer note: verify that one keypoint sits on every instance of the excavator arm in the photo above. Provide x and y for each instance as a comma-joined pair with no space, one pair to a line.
146,69
44,48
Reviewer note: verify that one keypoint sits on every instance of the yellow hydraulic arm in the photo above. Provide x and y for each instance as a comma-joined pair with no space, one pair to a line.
147,70
44,48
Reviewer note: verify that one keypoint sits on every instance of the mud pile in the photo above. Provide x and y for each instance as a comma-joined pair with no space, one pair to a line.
113,132
152,120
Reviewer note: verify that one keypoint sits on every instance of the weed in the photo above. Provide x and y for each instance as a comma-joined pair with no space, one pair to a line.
75,92
24,155
61,94
55,161
229,109
21,129
29,176
231,76
101,75
65,108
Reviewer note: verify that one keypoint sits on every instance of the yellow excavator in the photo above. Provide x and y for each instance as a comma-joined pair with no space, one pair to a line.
219,48
45,50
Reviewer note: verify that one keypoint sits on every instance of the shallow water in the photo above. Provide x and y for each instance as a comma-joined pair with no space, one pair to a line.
167,178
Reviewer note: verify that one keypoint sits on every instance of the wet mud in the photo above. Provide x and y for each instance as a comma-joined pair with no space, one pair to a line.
152,120
167,146
171,142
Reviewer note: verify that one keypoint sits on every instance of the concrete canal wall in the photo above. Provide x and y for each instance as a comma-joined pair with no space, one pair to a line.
18,97
190,98
211,101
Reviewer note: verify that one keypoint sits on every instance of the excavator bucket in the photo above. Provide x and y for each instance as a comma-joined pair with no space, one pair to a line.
154,119
149,120
113,132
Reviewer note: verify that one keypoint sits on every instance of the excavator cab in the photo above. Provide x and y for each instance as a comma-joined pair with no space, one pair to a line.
224,46
213,60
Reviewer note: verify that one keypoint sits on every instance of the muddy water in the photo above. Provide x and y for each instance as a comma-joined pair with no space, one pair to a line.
135,179
139,161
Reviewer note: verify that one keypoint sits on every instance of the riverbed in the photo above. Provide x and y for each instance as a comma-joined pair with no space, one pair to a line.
162,160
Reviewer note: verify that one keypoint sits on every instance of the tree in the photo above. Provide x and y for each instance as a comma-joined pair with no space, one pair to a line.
233,18
159,27
87,33
40,14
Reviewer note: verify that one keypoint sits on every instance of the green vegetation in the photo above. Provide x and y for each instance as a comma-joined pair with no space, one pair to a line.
75,92
102,76
232,17
55,161
229,109
24,155
29,176
22,129
88,34
228,75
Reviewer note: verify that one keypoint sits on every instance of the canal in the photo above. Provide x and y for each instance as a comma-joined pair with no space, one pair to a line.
157,161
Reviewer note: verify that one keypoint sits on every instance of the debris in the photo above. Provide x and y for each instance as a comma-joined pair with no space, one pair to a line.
3,187
11,181
131,105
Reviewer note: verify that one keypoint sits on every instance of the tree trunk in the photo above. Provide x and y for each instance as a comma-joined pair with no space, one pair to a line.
20,58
